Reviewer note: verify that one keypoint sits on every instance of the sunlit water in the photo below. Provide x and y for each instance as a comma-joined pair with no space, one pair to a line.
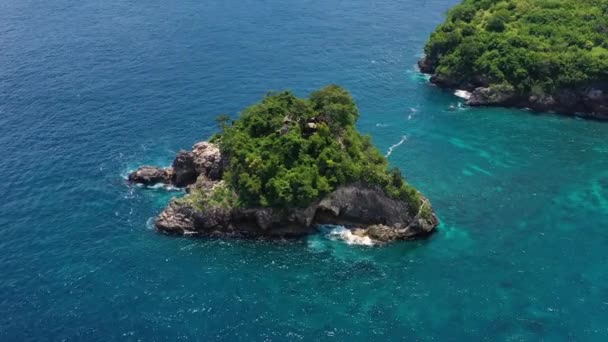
92,89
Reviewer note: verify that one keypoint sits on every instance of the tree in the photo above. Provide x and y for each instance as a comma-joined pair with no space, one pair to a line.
543,45
222,121
286,168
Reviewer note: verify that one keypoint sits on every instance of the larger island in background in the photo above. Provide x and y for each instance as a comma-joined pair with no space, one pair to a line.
540,54
286,165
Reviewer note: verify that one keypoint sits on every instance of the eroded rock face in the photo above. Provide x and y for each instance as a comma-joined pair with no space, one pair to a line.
490,96
208,160
590,102
205,159
443,82
426,65
175,218
353,204
368,210
596,99
150,175
365,207
184,169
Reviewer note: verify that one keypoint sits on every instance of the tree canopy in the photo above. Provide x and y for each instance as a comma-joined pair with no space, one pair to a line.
535,46
287,151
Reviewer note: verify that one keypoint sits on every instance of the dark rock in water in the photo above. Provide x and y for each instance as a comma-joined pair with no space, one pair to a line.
491,96
368,209
357,205
589,102
382,233
596,98
426,65
184,169
442,81
204,160
176,218
150,175
372,212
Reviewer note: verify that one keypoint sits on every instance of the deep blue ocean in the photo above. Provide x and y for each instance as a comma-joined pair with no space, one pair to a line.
91,89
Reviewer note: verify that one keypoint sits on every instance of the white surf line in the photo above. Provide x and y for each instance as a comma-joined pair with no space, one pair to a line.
463,94
392,148
348,237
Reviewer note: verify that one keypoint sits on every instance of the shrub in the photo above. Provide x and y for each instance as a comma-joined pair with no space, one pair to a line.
286,151
535,45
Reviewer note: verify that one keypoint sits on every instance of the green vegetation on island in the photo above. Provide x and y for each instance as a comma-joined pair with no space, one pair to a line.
287,151
531,46
284,166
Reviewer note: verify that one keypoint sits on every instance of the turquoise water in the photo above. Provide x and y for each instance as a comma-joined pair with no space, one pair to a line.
92,89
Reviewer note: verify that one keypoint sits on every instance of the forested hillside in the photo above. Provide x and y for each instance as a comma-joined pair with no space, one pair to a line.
532,46
287,151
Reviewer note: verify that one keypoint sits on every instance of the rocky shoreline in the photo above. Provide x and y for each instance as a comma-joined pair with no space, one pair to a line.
366,210
589,101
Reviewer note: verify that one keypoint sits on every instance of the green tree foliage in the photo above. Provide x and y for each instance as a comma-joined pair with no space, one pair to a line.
222,121
286,151
532,45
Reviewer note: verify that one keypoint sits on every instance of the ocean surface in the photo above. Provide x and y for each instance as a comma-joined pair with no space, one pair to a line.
91,89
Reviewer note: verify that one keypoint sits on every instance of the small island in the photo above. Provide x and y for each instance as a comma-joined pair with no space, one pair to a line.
285,166
538,54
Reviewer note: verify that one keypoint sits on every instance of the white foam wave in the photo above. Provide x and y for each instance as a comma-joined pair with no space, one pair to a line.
125,174
416,75
164,186
463,94
381,125
346,235
413,112
392,148
458,107
161,186
150,223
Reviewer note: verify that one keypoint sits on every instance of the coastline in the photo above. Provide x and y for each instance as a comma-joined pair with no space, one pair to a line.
589,101
365,211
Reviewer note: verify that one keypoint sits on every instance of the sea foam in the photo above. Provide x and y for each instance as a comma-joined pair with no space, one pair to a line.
164,186
392,148
463,94
346,235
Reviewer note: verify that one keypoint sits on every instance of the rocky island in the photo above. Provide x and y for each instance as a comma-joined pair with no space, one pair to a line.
538,54
285,166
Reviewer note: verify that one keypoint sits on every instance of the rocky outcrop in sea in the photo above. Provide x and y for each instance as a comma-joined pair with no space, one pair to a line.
366,210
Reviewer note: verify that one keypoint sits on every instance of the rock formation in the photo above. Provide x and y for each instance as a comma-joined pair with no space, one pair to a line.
358,206
204,159
150,175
